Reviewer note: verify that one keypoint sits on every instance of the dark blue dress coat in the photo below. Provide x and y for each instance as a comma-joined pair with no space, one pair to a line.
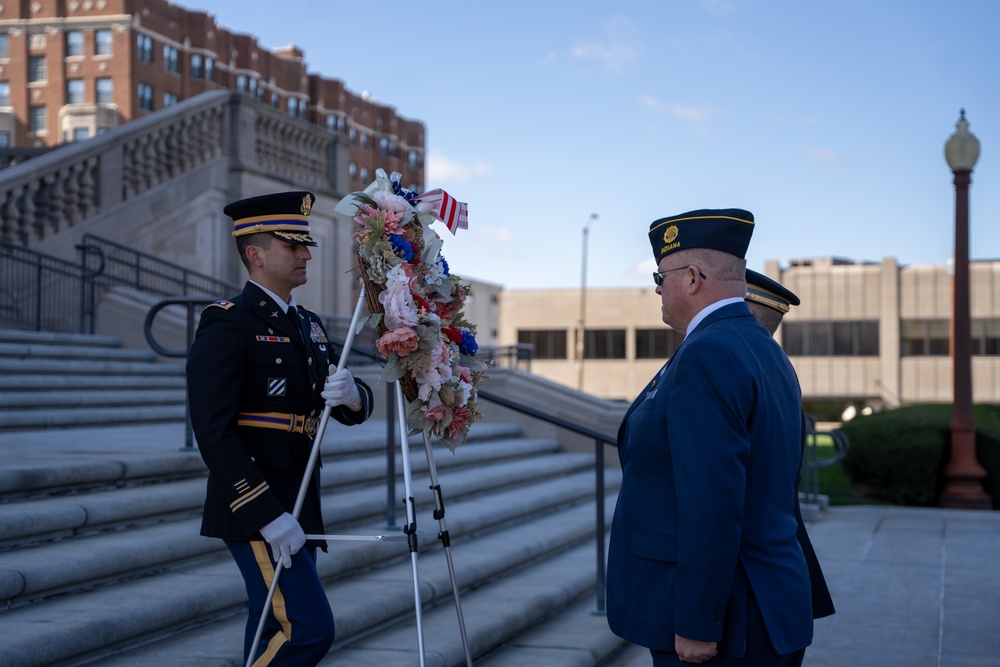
706,513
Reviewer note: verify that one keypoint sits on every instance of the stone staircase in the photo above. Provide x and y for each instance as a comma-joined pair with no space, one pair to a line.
101,562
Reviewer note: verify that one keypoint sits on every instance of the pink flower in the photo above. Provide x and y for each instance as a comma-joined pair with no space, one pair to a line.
459,419
435,414
464,374
402,340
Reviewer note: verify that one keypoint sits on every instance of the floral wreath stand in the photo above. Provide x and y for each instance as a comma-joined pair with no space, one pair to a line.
429,348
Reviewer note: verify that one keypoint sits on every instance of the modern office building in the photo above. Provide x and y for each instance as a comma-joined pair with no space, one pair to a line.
70,70
867,333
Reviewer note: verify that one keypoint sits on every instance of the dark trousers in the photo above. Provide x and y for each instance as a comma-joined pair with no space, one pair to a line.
299,628
759,650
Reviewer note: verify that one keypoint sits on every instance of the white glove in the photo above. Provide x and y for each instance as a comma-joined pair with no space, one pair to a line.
285,536
341,390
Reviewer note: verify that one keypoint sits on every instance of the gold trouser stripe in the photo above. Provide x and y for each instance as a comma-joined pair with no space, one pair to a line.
277,605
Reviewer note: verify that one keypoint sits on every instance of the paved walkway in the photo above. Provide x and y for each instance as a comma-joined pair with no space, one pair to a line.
913,587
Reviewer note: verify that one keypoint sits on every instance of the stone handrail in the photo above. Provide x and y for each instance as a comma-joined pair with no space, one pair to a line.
74,182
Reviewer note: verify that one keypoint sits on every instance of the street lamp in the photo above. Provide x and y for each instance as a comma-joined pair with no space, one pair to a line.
963,475
583,305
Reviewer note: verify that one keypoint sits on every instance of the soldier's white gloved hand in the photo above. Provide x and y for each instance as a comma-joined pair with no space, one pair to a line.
285,536
341,390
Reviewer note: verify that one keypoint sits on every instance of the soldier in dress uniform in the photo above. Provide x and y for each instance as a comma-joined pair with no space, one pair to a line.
769,300
259,372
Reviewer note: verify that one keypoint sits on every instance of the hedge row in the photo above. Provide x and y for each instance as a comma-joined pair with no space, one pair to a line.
899,455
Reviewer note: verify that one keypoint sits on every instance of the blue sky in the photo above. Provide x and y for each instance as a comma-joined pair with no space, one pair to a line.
826,119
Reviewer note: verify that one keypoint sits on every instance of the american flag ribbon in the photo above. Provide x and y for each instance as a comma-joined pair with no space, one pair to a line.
446,208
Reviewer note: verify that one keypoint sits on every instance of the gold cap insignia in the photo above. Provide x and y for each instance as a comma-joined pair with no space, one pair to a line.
307,203
669,234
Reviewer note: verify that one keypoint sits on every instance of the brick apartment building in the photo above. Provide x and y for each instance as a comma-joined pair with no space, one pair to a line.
72,69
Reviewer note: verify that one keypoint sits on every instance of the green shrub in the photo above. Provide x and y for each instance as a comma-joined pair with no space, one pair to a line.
900,455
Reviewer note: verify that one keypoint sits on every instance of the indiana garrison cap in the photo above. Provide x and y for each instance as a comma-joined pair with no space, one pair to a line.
725,229
284,215
769,292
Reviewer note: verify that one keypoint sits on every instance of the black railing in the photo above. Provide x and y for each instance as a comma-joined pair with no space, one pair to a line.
813,461
42,292
508,356
127,267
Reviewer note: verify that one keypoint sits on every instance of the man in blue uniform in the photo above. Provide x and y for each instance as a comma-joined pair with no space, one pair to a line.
704,566
769,301
257,382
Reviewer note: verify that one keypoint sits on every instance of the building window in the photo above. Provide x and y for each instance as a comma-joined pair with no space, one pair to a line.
75,91
353,136
144,44
74,43
253,86
169,100
986,337
352,171
197,66
36,119
36,69
830,339
293,107
656,343
331,123
145,97
171,60
209,69
383,147
275,99
364,141
364,174
548,343
102,42
241,82
4,46
4,139
81,134
105,91
414,159
604,344
921,338
4,94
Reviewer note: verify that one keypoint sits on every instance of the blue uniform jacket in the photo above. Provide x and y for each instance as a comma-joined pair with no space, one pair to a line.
706,512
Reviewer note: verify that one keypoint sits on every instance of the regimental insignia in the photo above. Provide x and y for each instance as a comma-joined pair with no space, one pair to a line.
273,339
276,386
307,203
670,234
262,303
274,314
221,303
316,333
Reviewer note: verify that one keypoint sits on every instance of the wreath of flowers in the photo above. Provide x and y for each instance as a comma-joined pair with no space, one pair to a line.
416,308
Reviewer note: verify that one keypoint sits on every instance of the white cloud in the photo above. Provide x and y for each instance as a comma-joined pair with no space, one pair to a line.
697,116
615,50
441,168
501,235
823,155
645,268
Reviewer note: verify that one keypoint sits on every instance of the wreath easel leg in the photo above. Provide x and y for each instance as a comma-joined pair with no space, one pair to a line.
446,541
410,528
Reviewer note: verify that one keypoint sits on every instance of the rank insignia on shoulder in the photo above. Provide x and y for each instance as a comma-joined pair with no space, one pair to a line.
221,303
316,333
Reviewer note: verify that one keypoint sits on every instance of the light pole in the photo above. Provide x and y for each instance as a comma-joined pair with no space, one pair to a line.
963,475
583,305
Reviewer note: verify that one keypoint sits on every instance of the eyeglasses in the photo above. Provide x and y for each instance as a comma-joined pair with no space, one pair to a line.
658,275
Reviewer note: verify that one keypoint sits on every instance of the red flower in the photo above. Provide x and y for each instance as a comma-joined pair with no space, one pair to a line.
453,334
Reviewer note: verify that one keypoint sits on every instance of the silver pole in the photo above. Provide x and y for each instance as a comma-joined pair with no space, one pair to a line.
411,520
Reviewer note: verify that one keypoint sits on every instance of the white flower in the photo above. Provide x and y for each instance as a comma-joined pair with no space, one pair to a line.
398,306
397,275
435,274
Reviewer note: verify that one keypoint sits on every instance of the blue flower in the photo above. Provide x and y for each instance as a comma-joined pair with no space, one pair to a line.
444,266
401,246
469,345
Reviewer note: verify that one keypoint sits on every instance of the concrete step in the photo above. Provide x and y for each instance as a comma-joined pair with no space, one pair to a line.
72,352
36,383
43,419
368,585
55,338
77,399
87,367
